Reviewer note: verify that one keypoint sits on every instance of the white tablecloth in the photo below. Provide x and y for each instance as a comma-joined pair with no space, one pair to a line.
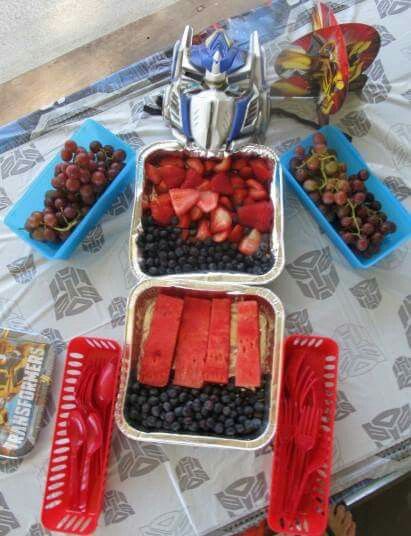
171,491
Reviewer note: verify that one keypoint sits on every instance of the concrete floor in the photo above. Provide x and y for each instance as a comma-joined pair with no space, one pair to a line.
34,32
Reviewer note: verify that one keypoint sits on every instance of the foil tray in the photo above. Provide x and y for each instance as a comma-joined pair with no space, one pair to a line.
276,194
138,302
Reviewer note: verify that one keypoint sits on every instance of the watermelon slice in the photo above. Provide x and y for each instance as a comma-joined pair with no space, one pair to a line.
158,350
248,368
192,342
218,351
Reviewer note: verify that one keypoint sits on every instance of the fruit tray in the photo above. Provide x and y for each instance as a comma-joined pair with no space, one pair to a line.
79,453
390,205
138,330
33,197
275,194
299,497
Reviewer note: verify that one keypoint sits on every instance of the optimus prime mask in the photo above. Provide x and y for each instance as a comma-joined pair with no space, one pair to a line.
217,98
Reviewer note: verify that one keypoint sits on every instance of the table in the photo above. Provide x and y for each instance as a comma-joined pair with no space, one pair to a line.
152,489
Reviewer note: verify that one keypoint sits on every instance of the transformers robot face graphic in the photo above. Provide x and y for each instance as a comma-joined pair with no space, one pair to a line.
217,98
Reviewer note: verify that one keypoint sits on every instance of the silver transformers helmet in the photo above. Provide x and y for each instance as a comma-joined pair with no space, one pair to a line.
217,98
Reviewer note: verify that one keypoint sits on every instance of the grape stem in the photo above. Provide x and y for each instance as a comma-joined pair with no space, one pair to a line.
68,226
358,233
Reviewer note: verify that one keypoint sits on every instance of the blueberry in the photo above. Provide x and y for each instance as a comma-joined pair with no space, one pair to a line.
259,407
173,402
141,400
214,397
193,427
151,422
153,270
187,420
207,389
226,411
229,422
203,397
134,414
155,410
169,417
166,406
164,397
218,428
197,405
204,412
210,422
145,408
256,423
175,426
178,411
209,405
218,408
152,400
230,431
239,428
248,410
172,392
179,252
133,398
182,397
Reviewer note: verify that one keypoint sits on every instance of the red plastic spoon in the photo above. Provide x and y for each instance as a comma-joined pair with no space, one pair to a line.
76,431
94,442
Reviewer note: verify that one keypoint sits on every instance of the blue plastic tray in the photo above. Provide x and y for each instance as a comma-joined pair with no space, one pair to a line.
33,197
390,205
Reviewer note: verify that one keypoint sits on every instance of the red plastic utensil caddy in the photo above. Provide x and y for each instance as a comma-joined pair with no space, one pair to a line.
310,517
83,353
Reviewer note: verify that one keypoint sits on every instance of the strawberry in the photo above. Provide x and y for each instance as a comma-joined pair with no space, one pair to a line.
220,237
196,213
239,163
145,202
261,170
196,164
161,209
153,173
185,233
184,221
224,201
258,195
192,180
237,182
171,161
250,243
239,195
246,172
162,188
248,200
252,183
257,215
223,165
209,165
208,201
173,176
221,183
220,220
236,234
183,199
203,230
204,186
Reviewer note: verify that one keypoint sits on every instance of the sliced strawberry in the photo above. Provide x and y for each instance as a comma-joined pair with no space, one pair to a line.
248,200
239,163
172,161
223,165
236,234
237,182
173,176
203,230
224,201
220,237
238,196
204,186
192,180
221,183
258,195
246,172
220,220
250,243
208,201
257,215
162,188
161,209
209,165
185,233
196,164
153,173
183,199
145,202
252,183
196,213
184,221
261,170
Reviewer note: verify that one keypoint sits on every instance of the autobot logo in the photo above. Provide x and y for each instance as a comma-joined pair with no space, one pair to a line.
397,142
377,86
117,311
389,425
54,336
405,317
391,7
190,473
394,260
357,123
315,274
243,494
385,36
402,371
367,293
122,203
398,187
344,407
94,240
19,161
23,269
72,292
285,145
298,322
358,354
173,523
116,507
5,201
8,521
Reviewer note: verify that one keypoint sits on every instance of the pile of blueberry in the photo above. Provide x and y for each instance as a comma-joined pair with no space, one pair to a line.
165,252
220,410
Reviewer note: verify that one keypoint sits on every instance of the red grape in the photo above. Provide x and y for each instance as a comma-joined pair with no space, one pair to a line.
368,229
344,185
57,169
92,165
340,198
71,146
86,190
81,149
82,159
343,211
60,203
64,166
88,200
376,205
84,210
57,183
310,185
328,198
95,146
85,176
112,174
50,235
377,238
50,220
349,238
119,155
313,163
320,148
319,138
346,221
98,178
315,196
66,155
363,175
63,235
101,155
299,151
101,166
70,213
331,168
358,186
362,243
359,198
73,171
73,185
108,149
38,234
117,166
301,174
342,166
98,188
